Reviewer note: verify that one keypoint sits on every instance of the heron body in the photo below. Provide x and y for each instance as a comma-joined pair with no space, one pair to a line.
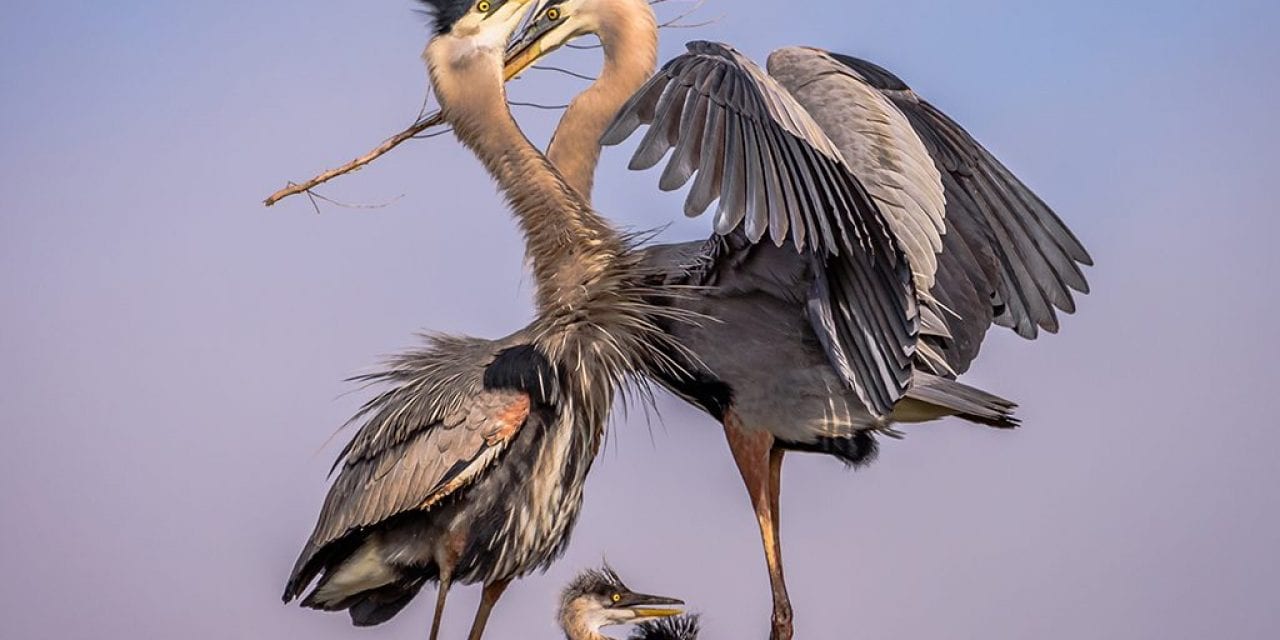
469,468
864,242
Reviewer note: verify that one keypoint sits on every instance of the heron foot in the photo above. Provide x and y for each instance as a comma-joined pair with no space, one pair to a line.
781,626
780,632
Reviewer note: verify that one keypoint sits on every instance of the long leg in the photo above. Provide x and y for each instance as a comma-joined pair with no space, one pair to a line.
759,466
441,593
492,592
781,602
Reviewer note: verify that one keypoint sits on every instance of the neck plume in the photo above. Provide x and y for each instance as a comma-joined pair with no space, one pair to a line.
567,243
629,36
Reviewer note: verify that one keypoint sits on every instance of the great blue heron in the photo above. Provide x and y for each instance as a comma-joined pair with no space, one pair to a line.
470,467
898,240
598,598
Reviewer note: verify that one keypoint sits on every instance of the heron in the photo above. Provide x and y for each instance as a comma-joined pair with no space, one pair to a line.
864,241
597,598
469,467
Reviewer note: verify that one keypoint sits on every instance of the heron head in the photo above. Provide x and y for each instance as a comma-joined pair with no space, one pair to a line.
470,39
557,22
598,598
470,29
468,18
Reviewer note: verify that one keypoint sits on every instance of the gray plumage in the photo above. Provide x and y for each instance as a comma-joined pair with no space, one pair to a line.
982,247
754,147
1037,259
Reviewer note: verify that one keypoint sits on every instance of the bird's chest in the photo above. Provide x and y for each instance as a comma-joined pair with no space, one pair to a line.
553,485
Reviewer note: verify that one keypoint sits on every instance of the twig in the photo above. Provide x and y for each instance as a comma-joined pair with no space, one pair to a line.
535,105
567,72
387,145
349,205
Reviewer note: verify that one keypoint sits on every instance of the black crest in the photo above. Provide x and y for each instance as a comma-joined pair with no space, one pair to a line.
599,582
444,13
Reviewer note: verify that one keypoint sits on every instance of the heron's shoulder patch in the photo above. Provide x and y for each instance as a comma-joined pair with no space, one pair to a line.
523,368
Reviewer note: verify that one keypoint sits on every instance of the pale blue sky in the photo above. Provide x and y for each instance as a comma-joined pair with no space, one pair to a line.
172,353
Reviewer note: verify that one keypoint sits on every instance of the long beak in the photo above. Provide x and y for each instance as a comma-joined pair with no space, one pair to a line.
647,606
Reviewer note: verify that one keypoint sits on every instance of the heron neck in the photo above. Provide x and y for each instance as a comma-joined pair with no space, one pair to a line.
576,628
567,243
629,37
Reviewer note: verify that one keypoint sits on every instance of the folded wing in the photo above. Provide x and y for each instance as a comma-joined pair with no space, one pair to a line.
433,432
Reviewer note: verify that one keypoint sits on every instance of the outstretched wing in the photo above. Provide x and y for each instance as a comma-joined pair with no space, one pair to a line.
773,170
1010,249
439,426
879,146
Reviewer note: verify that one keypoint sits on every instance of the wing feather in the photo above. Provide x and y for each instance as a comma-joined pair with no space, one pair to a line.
1012,250
775,172
433,432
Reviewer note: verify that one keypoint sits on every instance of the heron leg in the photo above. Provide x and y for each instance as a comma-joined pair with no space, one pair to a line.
760,464
492,592
441,593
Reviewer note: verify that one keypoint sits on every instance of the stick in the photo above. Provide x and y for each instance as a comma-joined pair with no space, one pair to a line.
387,145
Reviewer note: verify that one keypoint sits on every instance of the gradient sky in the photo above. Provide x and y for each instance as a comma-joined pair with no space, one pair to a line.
172,353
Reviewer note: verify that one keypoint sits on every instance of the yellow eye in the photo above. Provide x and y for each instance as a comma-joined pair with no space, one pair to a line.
617,597
483,6
553,14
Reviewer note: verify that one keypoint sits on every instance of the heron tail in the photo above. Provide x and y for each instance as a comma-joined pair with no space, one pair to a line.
931,397
380,605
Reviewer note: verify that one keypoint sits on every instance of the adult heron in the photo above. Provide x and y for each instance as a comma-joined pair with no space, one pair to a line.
470,467
897,241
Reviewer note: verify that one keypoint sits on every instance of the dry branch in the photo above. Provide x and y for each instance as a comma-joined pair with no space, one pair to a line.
387,145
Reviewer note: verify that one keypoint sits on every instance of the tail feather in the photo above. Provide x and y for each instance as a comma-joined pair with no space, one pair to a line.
380,605
964,401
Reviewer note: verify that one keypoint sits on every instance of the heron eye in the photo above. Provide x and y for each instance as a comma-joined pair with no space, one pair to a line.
617,597
553,14
483,6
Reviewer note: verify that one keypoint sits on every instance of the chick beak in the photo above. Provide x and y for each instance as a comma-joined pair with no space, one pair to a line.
646,607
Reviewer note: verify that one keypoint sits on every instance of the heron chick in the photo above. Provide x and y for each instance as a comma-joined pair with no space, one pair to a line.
598,598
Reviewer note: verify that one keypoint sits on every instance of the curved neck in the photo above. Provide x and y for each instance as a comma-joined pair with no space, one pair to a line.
629,35
567,243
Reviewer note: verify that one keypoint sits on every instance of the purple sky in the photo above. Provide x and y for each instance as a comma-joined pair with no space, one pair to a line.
172,353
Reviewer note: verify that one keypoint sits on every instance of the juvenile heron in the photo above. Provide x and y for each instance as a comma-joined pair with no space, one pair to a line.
897,241
598,598
470,467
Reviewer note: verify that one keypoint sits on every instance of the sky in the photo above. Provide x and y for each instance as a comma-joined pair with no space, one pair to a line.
172,354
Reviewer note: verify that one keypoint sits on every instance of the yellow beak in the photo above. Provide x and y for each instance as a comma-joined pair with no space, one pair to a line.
656,613
522,60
